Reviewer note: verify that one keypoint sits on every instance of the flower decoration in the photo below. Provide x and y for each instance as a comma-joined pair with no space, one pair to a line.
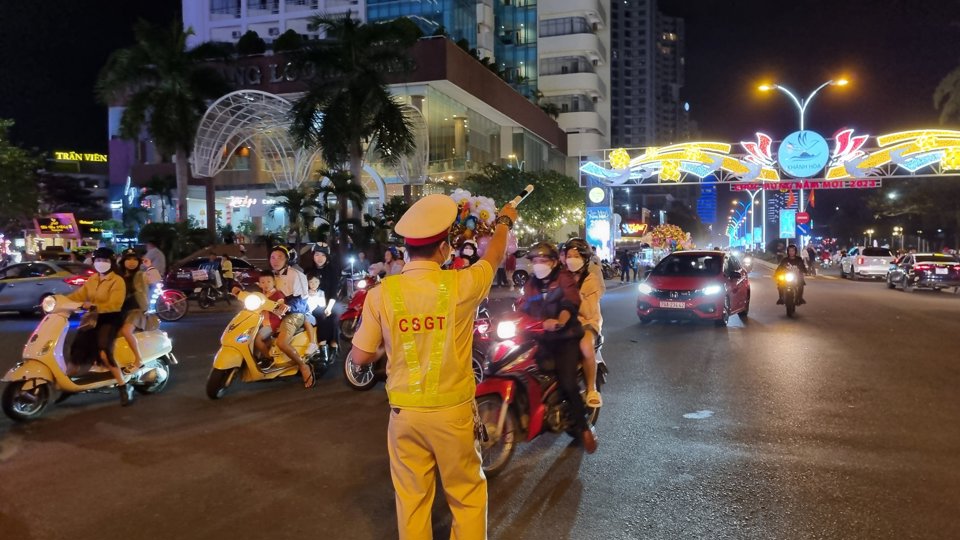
619,159
461,196
474,219
670,237
484,209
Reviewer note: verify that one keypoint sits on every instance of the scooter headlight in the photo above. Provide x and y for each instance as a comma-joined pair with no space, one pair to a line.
253,302
362,284
506,330
790,278
49,304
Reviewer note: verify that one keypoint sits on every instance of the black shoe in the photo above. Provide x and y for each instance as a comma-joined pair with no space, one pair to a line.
780,302
126,394
801,302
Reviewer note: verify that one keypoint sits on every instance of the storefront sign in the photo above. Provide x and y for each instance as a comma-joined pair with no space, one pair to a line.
633,228
79,156
247,202
788,223
89,227
63,225
863,183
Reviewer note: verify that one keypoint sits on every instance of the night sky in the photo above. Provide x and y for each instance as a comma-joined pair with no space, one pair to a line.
894,52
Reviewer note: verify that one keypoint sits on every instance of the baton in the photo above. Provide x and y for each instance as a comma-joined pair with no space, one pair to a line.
523,195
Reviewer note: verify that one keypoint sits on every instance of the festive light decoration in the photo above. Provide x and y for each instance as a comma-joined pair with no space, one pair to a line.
951,160
670,237
619,159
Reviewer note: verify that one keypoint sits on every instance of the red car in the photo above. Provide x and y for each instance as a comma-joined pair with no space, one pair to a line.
182,278
698,285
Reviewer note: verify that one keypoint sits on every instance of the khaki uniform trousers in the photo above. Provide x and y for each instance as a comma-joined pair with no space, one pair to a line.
421,443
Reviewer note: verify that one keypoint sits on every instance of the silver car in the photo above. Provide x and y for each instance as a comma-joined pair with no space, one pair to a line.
23,286
866,262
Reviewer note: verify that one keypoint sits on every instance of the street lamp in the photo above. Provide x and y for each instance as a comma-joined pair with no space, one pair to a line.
802,105
898,231
517,161
869,233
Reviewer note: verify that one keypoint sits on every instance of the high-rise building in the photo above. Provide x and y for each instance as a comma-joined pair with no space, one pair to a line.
458,18
647,76
227,20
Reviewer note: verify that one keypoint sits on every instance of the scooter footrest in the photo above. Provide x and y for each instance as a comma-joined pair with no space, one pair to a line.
92,378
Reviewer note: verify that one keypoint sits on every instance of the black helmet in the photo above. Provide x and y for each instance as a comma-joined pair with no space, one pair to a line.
103,253
129,253
543,249
321,247
582,247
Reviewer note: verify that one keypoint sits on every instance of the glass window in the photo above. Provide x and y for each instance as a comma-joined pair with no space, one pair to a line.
565,26
13,272
689,265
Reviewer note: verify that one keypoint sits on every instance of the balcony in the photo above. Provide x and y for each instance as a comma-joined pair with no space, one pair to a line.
224,10
257,8
591,9
573,83
582,121
307,6
588,45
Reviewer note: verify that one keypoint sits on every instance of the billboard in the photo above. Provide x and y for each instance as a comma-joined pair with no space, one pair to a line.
61,225
788,223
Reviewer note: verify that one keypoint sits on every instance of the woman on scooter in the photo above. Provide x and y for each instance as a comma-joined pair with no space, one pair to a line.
327,275
103,292
578,254
134,307
551,295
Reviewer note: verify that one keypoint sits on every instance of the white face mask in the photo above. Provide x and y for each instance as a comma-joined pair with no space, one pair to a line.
468,253
102,266
574,264
542,270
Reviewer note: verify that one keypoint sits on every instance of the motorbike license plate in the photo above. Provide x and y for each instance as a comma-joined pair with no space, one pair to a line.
673,305
943,270
198,289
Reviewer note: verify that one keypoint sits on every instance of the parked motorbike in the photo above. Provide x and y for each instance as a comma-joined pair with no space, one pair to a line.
610,271
238,358
40,378
788,284
207,294
170,304
518,401
350,318
366,377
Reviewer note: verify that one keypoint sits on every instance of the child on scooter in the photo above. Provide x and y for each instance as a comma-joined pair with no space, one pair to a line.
271,326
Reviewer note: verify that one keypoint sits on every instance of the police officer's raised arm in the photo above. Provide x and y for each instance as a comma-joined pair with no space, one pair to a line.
497,248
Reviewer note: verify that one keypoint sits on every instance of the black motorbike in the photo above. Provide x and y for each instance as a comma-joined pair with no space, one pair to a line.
789,284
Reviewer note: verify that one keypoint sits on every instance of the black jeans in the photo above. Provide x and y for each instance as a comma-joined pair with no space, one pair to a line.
565,354
87,345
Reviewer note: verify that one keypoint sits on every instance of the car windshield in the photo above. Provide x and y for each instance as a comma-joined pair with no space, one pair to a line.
689,265
877,252
936,258
76,268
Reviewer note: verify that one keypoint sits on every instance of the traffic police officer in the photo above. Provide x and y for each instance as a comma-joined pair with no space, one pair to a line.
424,320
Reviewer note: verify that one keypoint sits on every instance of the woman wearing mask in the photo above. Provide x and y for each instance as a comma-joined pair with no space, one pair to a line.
135,304
591,287
103,292
468,255
551,295
392,263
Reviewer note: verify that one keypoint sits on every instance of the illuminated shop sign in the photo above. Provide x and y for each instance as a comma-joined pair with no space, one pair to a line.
247,202
633,228
56,225
79,156
89,227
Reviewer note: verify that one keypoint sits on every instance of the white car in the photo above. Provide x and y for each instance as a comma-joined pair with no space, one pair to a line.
866,262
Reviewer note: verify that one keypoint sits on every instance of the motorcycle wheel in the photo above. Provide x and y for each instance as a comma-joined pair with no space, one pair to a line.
790,300
171,306
205,300
477,367
219,380
23,405
497,451
347,329
160,379
520,278
358,379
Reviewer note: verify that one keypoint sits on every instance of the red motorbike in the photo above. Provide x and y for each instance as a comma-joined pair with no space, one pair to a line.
366,377
517,399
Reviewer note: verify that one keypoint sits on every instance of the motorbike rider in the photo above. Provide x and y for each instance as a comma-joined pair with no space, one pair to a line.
327,273
792,259
271,324
551,295
576,254
468,255
135,303
293,284
103,292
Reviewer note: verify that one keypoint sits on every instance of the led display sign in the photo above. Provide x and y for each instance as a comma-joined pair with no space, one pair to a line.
57,225
80,156
633,228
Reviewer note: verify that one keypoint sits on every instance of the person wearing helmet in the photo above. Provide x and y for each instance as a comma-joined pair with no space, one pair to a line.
392,263
468,255
103,293
792,259
551,295
578,254
135,305
323,284
293,284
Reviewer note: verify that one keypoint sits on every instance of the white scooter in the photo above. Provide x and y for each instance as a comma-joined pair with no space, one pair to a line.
40,379
237,356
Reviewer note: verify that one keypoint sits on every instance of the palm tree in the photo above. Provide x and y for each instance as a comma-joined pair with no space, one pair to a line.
165,87
340,185
300,205
161,187
946,97
348,104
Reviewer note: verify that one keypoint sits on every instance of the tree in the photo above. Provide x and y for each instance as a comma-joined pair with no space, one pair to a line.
300,205
348,104
392,210
946,98
288,41
251,43
340,186
920,203
556,201
62,193
18,184
166,88
161,187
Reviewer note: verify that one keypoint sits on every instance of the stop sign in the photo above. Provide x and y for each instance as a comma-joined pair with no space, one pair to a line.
803,218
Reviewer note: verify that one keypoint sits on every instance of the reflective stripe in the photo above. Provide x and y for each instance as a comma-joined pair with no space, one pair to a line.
422,389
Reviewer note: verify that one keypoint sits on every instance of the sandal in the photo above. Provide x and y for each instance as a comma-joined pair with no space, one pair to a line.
594,400
309,381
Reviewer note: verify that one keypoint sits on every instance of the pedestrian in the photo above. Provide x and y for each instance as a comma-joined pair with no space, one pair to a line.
424,319
157,257
624,260
243,252
635,264
226,268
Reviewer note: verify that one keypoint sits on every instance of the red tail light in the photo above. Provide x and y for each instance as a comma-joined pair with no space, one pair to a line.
923,267
860,260
76,281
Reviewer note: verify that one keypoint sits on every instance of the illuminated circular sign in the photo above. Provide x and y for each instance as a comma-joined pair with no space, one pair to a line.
803,154
596,195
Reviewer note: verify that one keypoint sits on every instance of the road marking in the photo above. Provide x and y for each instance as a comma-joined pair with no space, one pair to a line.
699,415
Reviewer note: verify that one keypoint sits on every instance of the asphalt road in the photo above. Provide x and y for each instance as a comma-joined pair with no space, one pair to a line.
840,423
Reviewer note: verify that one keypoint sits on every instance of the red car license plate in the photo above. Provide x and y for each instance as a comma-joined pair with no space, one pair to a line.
943,270
673,305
